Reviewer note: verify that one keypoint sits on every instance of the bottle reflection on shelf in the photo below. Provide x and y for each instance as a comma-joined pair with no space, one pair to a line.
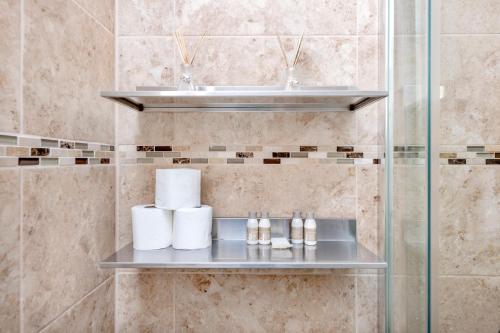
253,252
298,252
310,252
265,252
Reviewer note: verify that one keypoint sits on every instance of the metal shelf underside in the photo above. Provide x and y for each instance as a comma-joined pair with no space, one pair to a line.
246,99
336,249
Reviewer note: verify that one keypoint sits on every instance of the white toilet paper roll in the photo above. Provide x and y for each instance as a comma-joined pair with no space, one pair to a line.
192,228
151,227
177,188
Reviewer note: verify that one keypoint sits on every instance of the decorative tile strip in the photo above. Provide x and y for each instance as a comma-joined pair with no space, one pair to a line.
250,154
470,155
20,150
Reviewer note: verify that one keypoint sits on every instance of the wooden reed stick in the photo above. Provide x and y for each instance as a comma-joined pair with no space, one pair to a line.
176,38
299,47
198,47
283,51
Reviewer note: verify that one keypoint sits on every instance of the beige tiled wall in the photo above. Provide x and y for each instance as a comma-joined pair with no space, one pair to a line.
56,222
469,292
341,47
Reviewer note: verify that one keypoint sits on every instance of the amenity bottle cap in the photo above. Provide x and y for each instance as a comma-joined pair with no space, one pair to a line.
265,215
252,215
310,215
296,214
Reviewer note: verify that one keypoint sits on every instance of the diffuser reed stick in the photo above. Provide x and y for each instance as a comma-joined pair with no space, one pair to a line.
180,40
299,48
283,51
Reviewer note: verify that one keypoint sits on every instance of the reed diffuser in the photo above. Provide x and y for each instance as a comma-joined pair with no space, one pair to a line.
186,79
292,79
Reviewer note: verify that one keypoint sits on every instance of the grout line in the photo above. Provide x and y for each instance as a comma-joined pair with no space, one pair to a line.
174,279
470,34
21,252
469,276
75,304
356,303
92,17
21,70
117,169
245,36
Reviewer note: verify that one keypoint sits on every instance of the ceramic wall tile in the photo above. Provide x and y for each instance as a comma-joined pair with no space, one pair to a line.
10,51
145,128
367,303
312,128
145,62
145,17
9,250
368,63
467,117
469,304
93,313
65,72
145,303
469,228
368,197
368,17
136,187
252,303
331,17
102,10
470,17
68,226
230,18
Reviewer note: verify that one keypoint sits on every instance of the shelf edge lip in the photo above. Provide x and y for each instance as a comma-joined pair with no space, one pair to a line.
204,94
215,265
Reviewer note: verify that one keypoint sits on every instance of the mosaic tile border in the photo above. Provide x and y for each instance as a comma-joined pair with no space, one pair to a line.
451,155
20,150
249,154
470,155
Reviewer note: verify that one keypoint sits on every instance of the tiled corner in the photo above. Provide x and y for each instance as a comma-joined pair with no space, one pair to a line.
10,53
61,94
368,198
250,303
10,247
145,302
68,226
93,313
102,10
469,304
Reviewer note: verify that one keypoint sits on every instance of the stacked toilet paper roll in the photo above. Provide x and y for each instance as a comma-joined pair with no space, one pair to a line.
177,217
151,227
177,188
192,228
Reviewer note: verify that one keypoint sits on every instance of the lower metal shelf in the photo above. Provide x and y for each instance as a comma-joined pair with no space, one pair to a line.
336,248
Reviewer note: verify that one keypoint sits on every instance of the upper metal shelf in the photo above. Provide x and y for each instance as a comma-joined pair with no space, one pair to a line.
246,98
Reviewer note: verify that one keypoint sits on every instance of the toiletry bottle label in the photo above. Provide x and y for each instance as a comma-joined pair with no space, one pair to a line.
310,235
264,234
252,234
297,233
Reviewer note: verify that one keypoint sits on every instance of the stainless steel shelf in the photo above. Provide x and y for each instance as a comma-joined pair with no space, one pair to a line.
336,248
245,98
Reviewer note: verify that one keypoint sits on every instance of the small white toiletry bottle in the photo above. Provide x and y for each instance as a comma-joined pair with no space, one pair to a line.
297,228
252,229
310,229
265,229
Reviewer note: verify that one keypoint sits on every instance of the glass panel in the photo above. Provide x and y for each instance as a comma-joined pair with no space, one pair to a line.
408,224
